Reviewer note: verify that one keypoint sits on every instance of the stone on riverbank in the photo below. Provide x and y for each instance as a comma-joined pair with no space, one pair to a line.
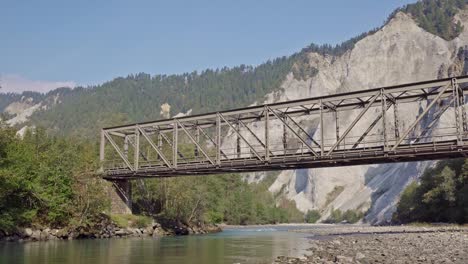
391,244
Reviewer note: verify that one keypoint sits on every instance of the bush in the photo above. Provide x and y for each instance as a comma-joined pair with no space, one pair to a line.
350,216
312,216
214,217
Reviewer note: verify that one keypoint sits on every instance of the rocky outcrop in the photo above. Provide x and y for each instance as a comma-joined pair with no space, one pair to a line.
104,230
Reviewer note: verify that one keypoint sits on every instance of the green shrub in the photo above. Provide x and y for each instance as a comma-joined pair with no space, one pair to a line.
214,217
312,216
350,216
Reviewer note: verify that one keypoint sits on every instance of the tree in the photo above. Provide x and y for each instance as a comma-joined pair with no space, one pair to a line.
440,196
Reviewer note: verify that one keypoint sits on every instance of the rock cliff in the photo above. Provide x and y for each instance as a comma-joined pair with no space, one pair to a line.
400,52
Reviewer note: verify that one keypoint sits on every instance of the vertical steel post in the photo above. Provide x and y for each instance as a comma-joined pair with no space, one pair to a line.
102,148
160,143
137,149
218,139
267,139
383,100
197,139
396,120
175,138
238,142
456,106
125,146
322,143
285,137
462,104
337,126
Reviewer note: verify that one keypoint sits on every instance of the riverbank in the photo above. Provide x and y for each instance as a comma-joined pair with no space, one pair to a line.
386,244
107,228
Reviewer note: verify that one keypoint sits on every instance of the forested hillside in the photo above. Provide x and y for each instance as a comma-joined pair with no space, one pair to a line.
436,16
139,97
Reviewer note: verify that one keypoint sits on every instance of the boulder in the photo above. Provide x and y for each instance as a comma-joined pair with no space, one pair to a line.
148,231
36,235
54,232
44,234
27,232
120,232
62,233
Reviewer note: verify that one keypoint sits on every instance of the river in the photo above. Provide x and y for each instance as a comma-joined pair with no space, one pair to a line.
250,244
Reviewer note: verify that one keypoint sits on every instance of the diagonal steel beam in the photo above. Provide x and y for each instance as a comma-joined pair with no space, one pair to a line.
239,134
134,147
434,121
369,104
122,156
295,133
303,131
212,141
253,134
195,142
172,145
161,155
369,129
403,136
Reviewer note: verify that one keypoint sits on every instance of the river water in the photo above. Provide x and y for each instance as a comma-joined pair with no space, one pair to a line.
251,244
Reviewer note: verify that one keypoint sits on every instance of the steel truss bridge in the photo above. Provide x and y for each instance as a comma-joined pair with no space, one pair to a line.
410,122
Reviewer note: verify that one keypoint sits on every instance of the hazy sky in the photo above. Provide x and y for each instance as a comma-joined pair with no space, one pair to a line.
49,43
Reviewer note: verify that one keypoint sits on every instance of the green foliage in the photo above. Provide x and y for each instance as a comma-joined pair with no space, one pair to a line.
212,199
349,216
128,220
46,180
312,216
339,49
440,196
352,216
436,16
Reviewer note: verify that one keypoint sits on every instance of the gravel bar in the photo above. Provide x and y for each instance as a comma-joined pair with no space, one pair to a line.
386,244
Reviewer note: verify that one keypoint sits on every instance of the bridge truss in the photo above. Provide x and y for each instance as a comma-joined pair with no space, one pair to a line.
410,122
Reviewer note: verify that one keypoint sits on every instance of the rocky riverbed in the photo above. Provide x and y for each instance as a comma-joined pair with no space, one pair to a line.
389,244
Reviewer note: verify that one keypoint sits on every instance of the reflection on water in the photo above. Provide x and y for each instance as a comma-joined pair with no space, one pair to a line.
234,245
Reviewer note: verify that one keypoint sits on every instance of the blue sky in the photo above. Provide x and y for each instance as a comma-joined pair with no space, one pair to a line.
52,42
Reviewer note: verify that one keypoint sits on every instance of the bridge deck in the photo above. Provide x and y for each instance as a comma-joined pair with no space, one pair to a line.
411,122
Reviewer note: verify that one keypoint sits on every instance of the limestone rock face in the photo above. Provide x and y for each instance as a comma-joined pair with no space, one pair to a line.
400,52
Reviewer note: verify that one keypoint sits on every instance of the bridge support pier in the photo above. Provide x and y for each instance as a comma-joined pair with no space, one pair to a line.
121,197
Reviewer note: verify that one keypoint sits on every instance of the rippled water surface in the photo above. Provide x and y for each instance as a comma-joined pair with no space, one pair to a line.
233,245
